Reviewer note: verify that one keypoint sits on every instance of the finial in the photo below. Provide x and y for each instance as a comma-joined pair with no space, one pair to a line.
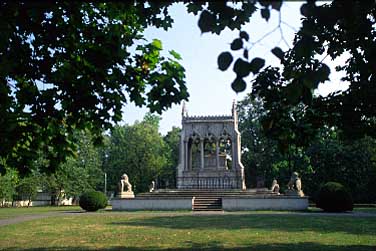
184,112
233,107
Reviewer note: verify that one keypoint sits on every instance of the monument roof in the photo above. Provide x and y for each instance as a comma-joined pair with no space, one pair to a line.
208,118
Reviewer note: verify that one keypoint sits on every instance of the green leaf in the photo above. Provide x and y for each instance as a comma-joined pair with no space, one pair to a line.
278,52
276,5
224,60
206,22
241,68
244,35
307,95
245,53
323,73
309,82
237,44
293,92
238,85
307,9
175,54
256,64
265,14
194,8
157,44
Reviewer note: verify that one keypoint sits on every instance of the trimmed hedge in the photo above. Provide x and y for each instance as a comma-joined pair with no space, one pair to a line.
334,197
93,201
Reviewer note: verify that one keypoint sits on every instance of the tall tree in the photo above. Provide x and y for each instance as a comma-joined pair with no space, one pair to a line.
28,187
172,141
328,30
137,150
350,162
8,184
67,66
260,154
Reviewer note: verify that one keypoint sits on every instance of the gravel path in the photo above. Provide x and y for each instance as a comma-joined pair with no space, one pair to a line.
23,218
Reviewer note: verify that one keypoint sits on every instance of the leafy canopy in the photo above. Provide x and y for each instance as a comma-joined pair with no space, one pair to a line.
66,66
328,30
72,65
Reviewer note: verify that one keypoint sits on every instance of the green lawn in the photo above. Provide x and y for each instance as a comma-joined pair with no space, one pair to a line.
12,212
365,209
188,231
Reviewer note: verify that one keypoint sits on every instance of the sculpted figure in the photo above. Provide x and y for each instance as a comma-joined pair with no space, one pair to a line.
152,186
124,185
295,184
275,186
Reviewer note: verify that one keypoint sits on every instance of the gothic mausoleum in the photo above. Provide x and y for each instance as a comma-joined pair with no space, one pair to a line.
210,175
210,156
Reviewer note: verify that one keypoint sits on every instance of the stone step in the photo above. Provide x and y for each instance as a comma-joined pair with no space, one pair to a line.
207,202
203,210
204,203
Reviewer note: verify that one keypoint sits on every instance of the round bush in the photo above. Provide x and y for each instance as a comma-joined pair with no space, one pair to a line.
92,201
334,197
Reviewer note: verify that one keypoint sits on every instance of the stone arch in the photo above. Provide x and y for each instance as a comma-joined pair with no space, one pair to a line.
225,150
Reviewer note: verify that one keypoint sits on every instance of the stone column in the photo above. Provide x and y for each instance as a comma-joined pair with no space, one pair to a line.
234,146
202,153
217,152
185,153
190,156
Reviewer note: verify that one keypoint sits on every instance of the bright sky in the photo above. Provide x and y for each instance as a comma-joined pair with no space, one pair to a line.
209,88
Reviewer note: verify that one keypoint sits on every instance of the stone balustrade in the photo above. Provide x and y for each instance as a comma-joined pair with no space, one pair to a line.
208,183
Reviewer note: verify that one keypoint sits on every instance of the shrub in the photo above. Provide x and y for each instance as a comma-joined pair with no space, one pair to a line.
92,201
334,197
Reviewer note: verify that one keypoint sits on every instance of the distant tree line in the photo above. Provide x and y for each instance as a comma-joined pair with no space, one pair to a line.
145,155
329,156
138,150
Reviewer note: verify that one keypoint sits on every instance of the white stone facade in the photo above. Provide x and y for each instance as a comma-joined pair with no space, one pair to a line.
157,203
210,153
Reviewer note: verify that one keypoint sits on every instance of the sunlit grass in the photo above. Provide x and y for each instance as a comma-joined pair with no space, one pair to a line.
190,231
12,212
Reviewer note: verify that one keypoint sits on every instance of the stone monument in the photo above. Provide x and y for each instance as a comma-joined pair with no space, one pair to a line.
210,153
294,187
125,187
152,187
275,187
210,175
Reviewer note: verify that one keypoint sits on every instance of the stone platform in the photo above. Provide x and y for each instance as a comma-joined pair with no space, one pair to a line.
228,200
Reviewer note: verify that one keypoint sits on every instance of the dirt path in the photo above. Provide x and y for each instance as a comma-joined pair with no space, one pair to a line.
23,218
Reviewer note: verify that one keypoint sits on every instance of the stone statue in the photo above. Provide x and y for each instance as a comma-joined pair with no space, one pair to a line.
294,187
125,187
152,186
275,187
124,184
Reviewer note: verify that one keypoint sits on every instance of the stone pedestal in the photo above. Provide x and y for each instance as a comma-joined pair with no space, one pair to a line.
294,193
126,195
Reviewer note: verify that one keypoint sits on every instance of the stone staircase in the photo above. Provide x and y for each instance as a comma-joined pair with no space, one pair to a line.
207,204
206,199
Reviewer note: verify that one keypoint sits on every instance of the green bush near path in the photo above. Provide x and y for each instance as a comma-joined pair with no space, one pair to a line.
189,231
93,201
334,197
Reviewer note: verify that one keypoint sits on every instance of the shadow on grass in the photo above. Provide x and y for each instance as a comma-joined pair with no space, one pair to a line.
309,246
293,223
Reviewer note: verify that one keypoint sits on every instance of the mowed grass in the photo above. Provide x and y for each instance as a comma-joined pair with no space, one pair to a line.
189,231
6,213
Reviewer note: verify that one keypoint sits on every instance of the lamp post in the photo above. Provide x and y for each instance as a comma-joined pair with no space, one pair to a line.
105,184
